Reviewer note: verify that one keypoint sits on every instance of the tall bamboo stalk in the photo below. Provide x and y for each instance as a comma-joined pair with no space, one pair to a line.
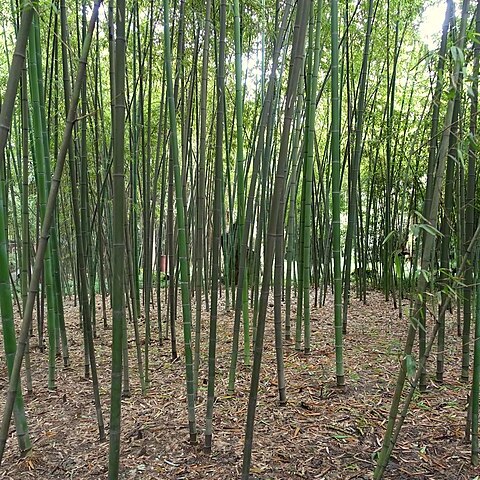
353,191
476,368
182,241
335,132
118,238
217,220
200,192
41,156
240,170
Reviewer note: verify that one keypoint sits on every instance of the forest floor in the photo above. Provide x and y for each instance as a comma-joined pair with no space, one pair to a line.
322,433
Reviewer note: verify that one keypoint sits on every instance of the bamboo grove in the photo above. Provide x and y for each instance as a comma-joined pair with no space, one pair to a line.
177,159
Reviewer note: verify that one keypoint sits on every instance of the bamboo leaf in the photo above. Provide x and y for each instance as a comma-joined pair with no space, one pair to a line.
388,237
457,54
426,275
419,215
430,229
410,366
398,266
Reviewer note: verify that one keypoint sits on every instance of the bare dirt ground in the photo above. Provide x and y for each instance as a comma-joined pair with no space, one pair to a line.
321,433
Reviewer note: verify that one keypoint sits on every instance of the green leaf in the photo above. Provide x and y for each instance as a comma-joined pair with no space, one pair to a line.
470,91
411,366
415,230
426,275
457,54
451,94
419,215
388,237
449,291
430,229
55,8
398,266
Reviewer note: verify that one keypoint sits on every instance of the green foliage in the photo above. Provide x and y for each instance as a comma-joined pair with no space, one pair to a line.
411,366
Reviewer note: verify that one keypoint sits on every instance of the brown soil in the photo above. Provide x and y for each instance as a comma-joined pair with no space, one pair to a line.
322,433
